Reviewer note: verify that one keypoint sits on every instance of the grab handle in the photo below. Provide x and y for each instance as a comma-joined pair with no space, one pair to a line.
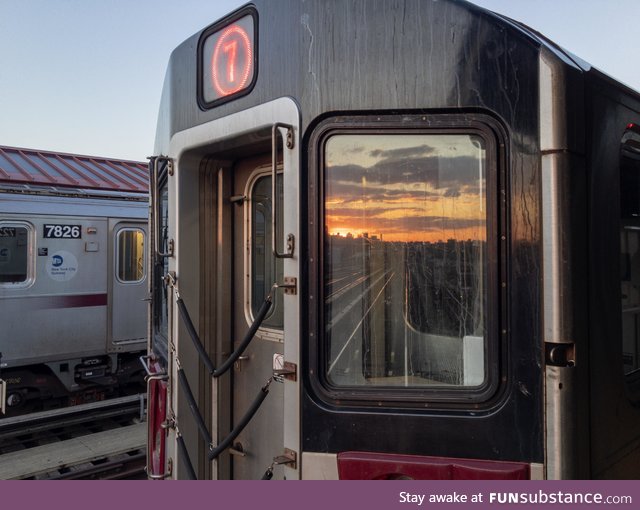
289,143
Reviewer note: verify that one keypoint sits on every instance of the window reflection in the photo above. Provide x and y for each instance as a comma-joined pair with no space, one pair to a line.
405,242
265,268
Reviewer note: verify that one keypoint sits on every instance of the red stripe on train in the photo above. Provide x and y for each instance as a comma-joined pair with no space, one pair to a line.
384,466
71,301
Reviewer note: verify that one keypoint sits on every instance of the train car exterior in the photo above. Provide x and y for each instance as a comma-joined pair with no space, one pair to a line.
422,210
72,277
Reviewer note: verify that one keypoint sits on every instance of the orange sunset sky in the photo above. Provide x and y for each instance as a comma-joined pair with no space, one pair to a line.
405,187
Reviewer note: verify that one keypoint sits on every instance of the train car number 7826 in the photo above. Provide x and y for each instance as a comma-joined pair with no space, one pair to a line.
62,231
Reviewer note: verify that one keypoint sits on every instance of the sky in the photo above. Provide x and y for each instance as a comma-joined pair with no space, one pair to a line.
85,76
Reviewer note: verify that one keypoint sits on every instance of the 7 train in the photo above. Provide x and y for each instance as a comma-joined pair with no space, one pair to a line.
73,282
427,216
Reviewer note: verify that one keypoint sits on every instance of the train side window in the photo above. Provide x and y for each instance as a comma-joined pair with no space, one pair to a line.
130,255
630,248
16,253
405,292
265,269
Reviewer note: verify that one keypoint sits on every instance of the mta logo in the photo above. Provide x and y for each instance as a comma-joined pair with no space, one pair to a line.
57,261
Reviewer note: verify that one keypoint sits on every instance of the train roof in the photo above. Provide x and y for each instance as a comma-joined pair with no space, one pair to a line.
542,40
33,168
386,55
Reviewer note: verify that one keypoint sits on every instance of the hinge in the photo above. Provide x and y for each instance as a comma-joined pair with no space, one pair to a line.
289,141
290,285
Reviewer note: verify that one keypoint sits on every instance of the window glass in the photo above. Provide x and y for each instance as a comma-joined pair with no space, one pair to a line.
130,255
14,253
265,268
404,260
160,268
630,248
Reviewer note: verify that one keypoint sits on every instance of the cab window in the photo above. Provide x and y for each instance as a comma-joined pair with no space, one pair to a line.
630,248
405,226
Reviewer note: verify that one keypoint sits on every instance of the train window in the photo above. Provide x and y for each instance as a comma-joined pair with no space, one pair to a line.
15,253
130,255
265,268
405,292
161,267
630,248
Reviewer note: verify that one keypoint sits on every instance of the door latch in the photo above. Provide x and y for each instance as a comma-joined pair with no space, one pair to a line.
560,355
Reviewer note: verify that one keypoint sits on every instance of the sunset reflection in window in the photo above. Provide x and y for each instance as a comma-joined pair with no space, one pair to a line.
405,188
405,241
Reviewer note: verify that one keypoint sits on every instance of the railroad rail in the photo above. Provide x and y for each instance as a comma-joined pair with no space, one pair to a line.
101,440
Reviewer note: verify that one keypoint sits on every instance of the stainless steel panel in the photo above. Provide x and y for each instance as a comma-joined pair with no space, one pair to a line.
127,305
561,170
262,440
64,312
188,149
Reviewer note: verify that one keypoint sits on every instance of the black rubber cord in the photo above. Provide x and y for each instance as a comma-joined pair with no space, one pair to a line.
185,454
257,322
264,391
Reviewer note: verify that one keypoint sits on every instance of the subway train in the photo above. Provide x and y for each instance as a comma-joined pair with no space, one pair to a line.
392,239
73,280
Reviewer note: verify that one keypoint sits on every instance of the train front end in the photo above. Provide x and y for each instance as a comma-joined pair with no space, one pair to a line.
348,247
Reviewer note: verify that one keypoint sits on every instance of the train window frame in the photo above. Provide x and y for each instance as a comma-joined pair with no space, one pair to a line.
266,332
495,340
159,265
630,227
31,243
117,255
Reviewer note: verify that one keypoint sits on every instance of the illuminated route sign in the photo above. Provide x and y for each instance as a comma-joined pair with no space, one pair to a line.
227,60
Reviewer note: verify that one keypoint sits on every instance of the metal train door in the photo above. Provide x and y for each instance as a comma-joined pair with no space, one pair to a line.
263,266
238,156
129,284
256,270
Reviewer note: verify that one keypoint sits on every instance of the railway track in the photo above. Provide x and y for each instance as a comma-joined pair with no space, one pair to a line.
101,440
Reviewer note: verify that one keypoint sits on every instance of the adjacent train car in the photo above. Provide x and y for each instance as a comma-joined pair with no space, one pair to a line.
393,239
73,281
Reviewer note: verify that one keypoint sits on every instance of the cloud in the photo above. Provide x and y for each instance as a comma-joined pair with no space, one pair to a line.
371,212
402,153
355,191
459,172
404,225
452,193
